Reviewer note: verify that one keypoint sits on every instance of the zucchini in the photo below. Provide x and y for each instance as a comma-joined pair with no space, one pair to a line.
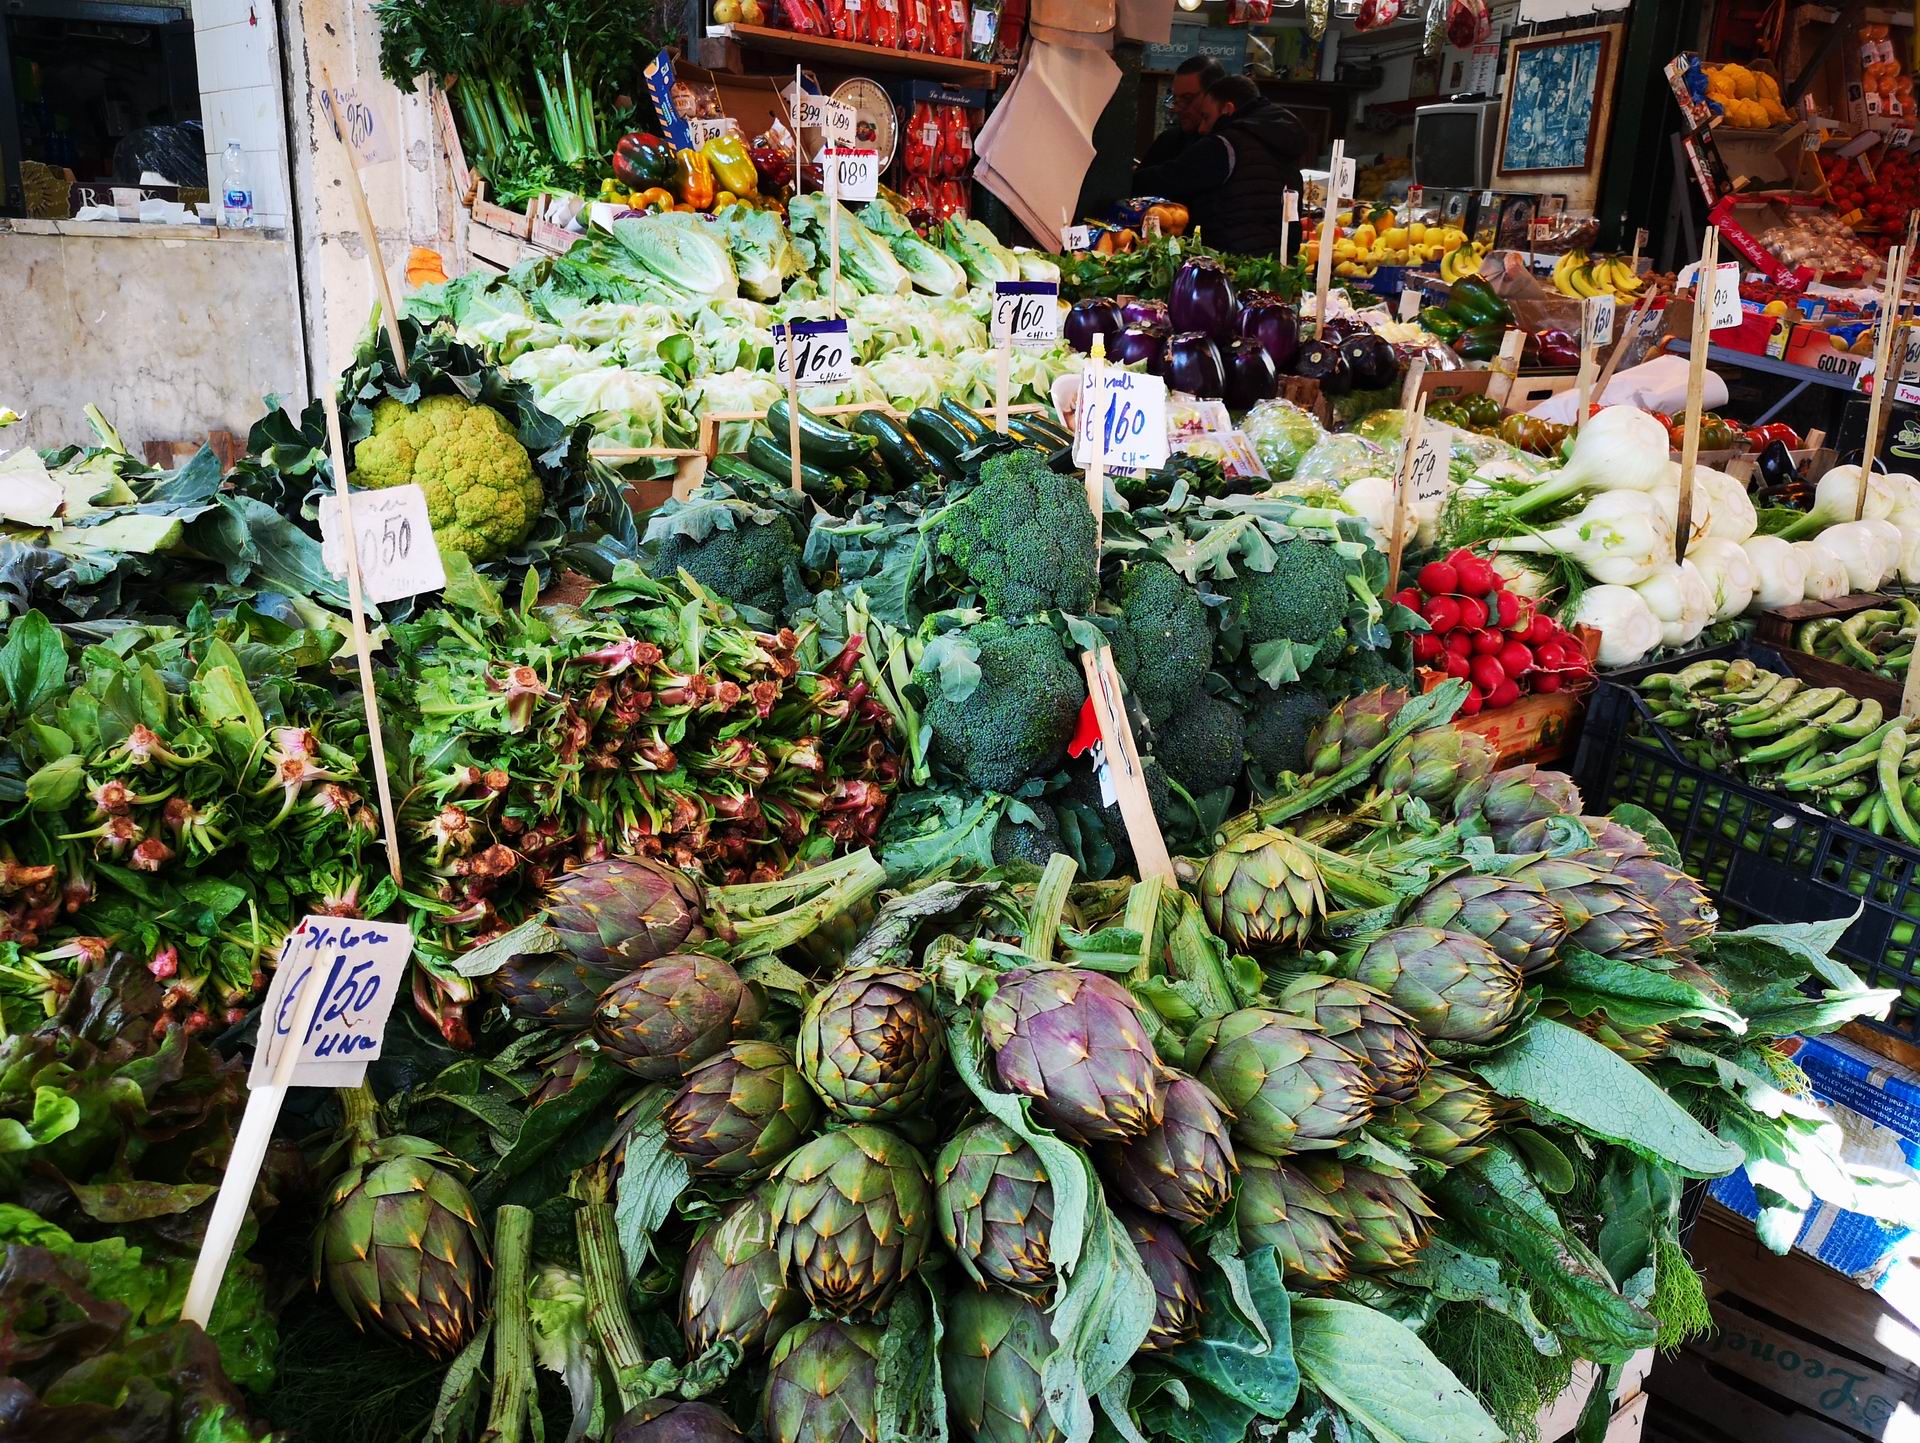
821,442
944,442
738,467
905,459
771,456
1036,432
971,424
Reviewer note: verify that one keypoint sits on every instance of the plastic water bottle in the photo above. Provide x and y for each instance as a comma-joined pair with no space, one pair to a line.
236,199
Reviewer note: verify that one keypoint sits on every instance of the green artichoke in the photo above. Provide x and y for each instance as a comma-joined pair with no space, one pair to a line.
1262,891
1367,1025
1513,915
618,913
1445,1120
1384,1218
1356,725
1434,765
1280,1209
1455,987
661,1019
1076,1043
1170,1268
854,1215
1687,915
1290,1087
741,1111
996,1207
991,1356
1509,799
1606,914
1637,1045
870,1044
1607,834
553,989
668,1420
821,1384
733,1288
1183,1167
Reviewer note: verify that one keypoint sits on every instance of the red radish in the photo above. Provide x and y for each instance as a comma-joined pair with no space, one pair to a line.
1542,628
1471,706
1458,555
1458,643
1505,694
1550,656
1408,597
1546,681
1486,673
1515,659
1487,643
1442,613
1456,665
1473,613
1437,578
1477,578
1427,647
1507,606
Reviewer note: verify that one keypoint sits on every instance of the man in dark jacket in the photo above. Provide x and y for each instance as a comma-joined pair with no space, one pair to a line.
1190,81
1233,181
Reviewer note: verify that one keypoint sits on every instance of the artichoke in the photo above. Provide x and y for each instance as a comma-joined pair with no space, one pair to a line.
996,1207
1435,764
821,1384
1262,891
1290,1087
1383,1216
553,989
1170,1268
1607,834
991,1356
741,1111
1605,913
1357,724
1509,799
854,1214
1183,1167
1513,915
661,1019
618,913
1687,915
733,1288
870,1044
1446,1119
668,1420
1280,1209
1367,1025
1638,1045
1455,987
1076,1043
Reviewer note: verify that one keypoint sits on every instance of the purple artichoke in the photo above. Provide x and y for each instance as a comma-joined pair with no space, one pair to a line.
1076,1043
1182,1167
1170,1267
661,1019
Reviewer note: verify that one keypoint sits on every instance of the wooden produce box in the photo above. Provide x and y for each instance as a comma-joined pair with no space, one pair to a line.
1538,728
1559,1418
1777,627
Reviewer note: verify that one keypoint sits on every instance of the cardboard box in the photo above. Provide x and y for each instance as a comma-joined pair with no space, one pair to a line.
1817,348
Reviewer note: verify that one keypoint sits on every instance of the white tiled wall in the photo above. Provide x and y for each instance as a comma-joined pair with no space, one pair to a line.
234,47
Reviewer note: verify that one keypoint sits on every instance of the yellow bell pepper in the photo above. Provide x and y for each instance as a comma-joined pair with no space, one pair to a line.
727,155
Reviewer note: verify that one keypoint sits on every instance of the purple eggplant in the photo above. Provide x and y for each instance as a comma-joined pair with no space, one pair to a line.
1202,300
1275,326
1339,328
1194,365
1139,343
1321,361
1095,316
1251,375
1142,312
1370,359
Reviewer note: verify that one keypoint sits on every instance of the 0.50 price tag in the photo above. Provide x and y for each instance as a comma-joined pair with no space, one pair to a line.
1122,420
851,174
1026,313
398,556
813,353
357,966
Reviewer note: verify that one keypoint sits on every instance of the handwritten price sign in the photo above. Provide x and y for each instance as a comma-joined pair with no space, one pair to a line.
1077,237
814,353
1026,313
357,966
1122,421
852,174
398,556
705,130
1600,311
1427,478
355,121
839,122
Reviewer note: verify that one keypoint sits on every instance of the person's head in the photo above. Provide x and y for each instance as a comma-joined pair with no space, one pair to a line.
1229,95
1190,81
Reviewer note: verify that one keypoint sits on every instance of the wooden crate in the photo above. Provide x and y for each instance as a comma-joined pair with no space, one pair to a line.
1777,627
1537,728
1558,1419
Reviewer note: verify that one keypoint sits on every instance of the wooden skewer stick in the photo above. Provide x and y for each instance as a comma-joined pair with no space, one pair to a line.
1402,485
1884,330
1323,271
389,312
1705,279
1619,348
1584,381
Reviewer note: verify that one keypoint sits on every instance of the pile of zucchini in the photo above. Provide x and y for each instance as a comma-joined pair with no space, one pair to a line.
874,454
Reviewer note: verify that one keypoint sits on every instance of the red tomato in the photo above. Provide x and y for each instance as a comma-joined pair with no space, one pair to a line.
1439,579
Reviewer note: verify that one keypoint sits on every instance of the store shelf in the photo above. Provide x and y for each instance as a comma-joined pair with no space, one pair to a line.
1768,366
851,55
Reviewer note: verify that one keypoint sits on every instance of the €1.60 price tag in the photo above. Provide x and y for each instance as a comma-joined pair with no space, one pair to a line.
1427,477
1122,420
852,174
815,353
1600,312
358,967
397,552
1026,313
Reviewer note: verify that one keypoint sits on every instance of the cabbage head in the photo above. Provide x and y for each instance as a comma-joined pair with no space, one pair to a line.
1282,434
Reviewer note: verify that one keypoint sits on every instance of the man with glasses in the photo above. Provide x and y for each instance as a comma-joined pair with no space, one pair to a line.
1190,82
1234,176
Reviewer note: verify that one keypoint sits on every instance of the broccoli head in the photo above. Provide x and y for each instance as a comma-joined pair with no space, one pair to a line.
1203,744
1302,600
483,494
1083,791
738,545
1278,729
1023,538
1017,721
1366,669
1034,842
1164,644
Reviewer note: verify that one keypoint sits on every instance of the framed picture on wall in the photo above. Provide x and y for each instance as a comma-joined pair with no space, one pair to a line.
1550,122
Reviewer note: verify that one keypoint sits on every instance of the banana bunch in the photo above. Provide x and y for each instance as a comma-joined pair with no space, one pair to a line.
1578,276
1462,261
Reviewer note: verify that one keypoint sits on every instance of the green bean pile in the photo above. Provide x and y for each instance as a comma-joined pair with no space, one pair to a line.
1879,640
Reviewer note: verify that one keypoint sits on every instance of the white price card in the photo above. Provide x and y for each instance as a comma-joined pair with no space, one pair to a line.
1290,206
1410,303
1349,176
985,22
1901,139
357,122
1600,313
852,174
839,123
1726,297
1427,478
704,130
358,967
809,110
817,353
1122,420
398,556
1076,237
1026,313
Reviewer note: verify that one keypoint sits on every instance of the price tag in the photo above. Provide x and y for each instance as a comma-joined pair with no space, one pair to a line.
1026,314
1076,237
1427,479
358,966
853,174
1349,175
1901,139
1109,794
1122,420
705,130
1600,319
1726,297
1640,239
818,353
1813,139
809,110
1416,197
840,123
397,552
985,22
1409,303
1290,206
1486,200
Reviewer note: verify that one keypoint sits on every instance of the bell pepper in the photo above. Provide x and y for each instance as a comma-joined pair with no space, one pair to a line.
732,169
692,179
1480,343
1437,323
1760,437
1558,350
1471,301
1717,433
641,159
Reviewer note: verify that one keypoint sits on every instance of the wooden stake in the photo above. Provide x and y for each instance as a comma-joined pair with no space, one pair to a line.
799,146
1619,348
1402,481
1123,762
1323,271
1506,367
1705,280
1096,468
828,171
1587,365
389,312
793,405
1885,328
1003,367
1289,207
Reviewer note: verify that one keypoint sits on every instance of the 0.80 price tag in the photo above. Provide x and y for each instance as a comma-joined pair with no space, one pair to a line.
814,353
852,174
357,966
398,556
1026,313
1122,420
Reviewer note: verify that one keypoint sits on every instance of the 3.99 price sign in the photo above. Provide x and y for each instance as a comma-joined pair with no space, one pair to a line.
1026,313
851,174
1122,421
813,353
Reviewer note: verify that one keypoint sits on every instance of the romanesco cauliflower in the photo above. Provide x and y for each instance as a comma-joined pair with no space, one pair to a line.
482,493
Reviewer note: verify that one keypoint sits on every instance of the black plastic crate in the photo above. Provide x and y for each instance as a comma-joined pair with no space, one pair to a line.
1763,856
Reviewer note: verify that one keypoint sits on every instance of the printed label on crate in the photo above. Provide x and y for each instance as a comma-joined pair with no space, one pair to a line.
358,966
705,130
398,556
818,353
1600,311
1427,477
1026,313
1076,237
1122,420
852,174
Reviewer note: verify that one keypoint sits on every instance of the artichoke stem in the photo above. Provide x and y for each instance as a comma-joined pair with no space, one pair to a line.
1143,916
1049,903
359,1113
512,1326
604,1270
1195,956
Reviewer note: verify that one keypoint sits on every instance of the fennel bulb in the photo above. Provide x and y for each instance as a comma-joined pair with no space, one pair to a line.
1627,626
1371,499
1618,538
1826,574
1677,595
1835,495
1862,551
1779,570
1729,575
1620,449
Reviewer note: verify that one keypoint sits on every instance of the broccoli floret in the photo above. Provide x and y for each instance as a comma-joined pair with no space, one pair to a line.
1164,644
1366,669
1203,744
740,546
1017,721
1023,539
1034,842
483,494
1278,729
1302,600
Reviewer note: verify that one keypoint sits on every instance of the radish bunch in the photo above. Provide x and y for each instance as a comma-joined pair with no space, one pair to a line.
1492,637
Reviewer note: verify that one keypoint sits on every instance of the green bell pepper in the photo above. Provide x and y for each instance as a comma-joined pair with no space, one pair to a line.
1471,301
1437,323
1480,343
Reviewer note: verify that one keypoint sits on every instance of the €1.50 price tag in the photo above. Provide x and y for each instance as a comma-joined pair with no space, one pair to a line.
1122,420
1026,313
813,353
1600,313
1427,476
851,174
398,556
358,967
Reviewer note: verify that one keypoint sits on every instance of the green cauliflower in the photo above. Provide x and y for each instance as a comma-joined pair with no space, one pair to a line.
1365,669
483,495
1164,644
1023,539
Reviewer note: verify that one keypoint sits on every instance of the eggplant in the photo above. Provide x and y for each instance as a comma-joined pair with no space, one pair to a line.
1139,343
1095,316
1143,312
1370,359
1321,361
1339,328
1193,365
1202,300
1275,326
1251,375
